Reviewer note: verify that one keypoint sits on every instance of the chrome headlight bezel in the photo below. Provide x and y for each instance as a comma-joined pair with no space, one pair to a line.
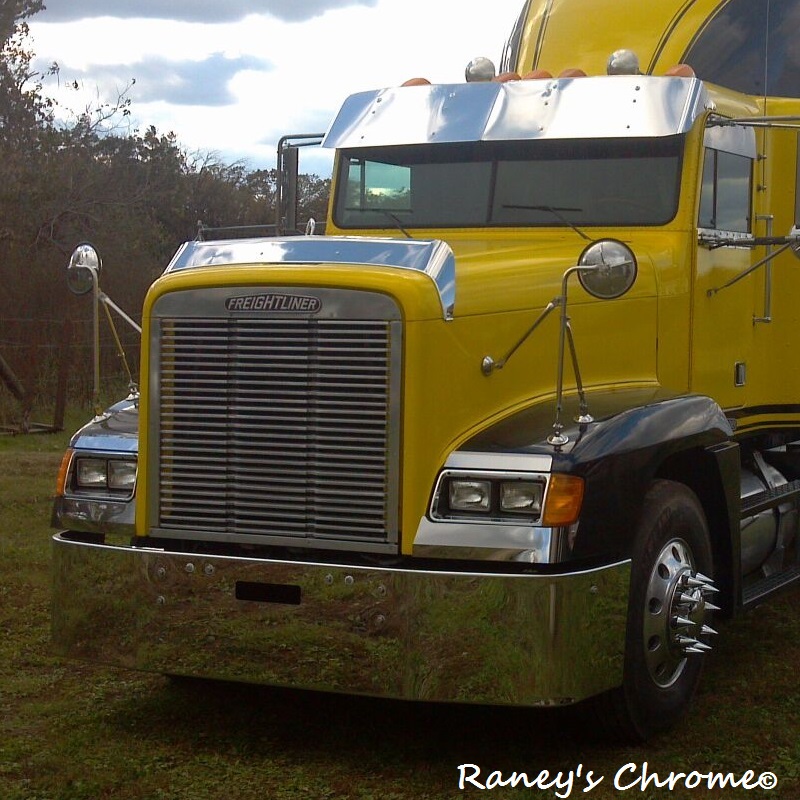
491,494
101,476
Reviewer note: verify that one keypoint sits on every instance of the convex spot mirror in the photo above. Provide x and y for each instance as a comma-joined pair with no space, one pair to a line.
610,269
794,234
83,269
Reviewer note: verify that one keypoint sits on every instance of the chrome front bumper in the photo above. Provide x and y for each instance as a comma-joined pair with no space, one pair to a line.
413,634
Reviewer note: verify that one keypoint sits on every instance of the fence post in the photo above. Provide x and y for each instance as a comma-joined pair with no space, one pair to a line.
64,351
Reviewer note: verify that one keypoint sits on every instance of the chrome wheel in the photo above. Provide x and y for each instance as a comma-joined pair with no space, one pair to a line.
675,614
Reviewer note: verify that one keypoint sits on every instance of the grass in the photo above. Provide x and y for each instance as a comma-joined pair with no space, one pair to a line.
75,731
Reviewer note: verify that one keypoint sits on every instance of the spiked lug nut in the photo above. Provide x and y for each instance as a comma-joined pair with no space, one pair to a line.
676,610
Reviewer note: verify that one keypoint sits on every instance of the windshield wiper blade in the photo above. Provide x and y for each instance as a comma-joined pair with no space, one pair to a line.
555,211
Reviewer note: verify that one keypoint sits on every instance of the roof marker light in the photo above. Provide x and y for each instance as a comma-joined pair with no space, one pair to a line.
572,72
623,62
680,71
505,77
537,74
479,70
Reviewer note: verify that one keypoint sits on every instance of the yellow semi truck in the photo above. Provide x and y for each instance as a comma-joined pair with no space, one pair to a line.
515,427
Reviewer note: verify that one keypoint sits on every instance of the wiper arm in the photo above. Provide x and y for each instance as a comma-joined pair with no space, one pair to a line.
388,214
394,218
554,210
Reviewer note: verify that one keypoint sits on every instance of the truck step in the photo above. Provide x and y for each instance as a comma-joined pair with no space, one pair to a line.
770,498
757,592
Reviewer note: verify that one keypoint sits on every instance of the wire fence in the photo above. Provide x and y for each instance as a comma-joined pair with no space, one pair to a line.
46,363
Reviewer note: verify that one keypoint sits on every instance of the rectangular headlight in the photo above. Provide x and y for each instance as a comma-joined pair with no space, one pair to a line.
103,475
521,497
490,497
91,473
121,475
470,495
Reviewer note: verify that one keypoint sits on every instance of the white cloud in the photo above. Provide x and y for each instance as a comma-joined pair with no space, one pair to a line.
206,11
235,87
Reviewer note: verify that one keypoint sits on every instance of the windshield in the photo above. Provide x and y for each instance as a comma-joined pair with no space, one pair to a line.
581,183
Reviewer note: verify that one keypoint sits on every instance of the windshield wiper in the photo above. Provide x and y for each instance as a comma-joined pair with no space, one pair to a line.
394,218
555,211
388,214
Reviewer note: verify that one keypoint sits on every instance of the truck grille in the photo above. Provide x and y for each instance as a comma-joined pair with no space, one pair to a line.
274,428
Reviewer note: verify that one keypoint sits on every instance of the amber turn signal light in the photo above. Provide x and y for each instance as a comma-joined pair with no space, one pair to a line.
563,502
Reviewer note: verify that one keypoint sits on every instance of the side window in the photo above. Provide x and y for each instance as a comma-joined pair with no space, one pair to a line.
707,216
725,192
797,187
374,185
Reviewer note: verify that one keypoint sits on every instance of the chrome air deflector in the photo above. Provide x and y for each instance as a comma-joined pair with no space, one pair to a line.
565,108
433,258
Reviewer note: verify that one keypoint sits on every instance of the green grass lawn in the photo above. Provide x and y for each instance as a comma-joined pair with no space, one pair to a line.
71,731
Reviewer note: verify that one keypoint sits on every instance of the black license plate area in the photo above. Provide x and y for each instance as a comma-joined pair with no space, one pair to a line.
282,593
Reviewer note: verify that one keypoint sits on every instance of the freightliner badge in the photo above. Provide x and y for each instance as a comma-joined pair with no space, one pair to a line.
275,303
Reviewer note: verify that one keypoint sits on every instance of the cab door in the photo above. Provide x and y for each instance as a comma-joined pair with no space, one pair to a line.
725,296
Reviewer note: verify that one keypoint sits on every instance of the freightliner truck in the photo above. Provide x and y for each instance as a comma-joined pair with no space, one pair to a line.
515,427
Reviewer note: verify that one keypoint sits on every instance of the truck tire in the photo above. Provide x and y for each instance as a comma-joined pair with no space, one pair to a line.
667,615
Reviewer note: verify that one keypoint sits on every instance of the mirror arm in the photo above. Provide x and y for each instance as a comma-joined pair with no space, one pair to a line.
565,339
757,265
558,438
584,416
109,303
489,365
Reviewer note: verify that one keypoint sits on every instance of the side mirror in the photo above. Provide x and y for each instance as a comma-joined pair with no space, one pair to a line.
608,269
83,270
794,240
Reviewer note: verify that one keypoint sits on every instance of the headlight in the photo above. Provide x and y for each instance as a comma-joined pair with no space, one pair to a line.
489,496
503,497
521,497
91,473
470,495
121,475
103,475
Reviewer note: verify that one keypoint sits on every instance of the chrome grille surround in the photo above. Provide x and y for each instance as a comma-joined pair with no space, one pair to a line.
275,427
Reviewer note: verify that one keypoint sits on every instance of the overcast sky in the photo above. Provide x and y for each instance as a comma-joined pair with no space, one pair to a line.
230,77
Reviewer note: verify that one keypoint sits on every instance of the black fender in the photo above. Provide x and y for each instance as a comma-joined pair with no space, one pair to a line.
636,437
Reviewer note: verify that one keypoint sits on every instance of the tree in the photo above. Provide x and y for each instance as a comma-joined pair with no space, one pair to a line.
313,193
22,108
13,12
136,195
